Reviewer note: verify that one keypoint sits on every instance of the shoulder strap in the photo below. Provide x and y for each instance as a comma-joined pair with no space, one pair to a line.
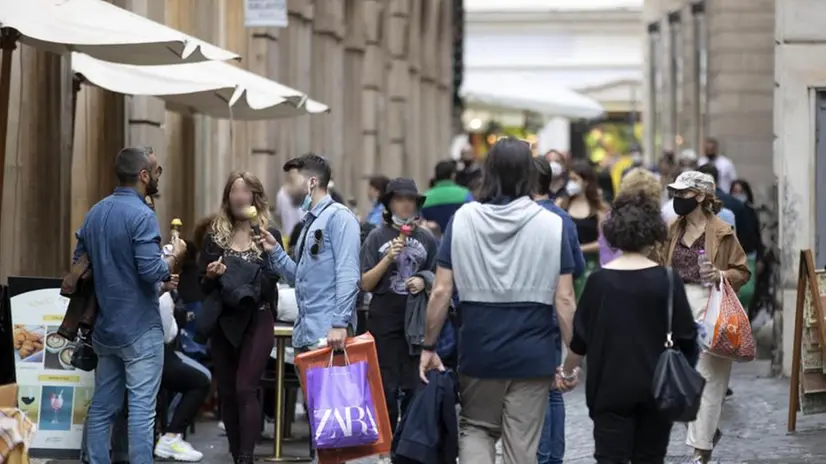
670,273
303,237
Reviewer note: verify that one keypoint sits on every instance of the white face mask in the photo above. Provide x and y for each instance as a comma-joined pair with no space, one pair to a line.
741,197
573,188
556,169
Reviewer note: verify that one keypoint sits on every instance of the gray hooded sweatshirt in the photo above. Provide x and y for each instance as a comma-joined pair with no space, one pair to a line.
506,253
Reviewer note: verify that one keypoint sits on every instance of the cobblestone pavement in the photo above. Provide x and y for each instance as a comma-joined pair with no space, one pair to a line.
754,424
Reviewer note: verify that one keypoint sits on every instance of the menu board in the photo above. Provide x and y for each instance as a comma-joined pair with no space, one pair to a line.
52,393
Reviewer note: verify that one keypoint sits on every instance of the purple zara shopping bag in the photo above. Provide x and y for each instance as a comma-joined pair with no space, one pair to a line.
340,406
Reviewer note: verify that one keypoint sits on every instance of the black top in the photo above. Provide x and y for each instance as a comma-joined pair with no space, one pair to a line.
389,301
621,324
587,229
212,251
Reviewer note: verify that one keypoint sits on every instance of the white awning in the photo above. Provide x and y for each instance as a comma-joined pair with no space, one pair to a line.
526,92
104,31
210,88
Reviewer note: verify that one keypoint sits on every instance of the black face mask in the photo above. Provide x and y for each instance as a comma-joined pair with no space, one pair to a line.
683,206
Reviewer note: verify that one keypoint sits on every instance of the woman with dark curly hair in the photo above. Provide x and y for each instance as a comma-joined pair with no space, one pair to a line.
621,325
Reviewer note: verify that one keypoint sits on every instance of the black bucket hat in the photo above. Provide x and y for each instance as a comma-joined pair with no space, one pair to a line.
404,187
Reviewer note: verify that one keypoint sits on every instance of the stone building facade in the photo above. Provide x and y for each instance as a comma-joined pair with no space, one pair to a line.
710,72
383,66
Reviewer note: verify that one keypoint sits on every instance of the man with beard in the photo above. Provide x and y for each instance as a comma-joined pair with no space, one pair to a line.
122,240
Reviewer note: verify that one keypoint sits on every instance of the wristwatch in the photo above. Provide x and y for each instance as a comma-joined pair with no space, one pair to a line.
429,347
567,378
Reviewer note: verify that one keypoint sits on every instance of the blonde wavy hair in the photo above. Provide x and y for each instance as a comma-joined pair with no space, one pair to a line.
223,225
643,181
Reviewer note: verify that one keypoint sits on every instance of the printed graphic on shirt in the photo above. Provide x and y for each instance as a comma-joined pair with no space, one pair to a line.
408,262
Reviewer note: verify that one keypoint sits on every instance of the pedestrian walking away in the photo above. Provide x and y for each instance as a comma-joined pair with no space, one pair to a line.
512,266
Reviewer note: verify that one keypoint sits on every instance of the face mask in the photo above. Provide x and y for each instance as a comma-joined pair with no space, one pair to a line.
308,199
400,221
741,197
573,188
556,169
683,206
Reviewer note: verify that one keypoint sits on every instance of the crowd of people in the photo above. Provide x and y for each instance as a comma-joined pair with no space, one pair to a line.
510,261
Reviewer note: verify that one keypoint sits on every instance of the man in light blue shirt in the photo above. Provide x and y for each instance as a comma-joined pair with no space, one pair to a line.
326,269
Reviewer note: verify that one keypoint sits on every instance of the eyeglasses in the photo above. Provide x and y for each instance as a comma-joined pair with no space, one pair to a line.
318,238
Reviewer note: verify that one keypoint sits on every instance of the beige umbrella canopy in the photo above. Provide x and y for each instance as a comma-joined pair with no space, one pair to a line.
94,27
103,30
216,89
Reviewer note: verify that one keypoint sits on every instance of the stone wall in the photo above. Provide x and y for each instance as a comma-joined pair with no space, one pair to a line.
739,86
800,54
383,66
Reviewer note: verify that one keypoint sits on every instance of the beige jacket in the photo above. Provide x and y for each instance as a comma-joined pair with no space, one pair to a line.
721,246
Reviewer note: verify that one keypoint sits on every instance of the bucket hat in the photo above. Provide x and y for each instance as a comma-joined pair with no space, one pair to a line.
404,187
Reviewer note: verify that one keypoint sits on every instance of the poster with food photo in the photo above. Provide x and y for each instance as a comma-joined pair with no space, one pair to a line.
58,351
43,366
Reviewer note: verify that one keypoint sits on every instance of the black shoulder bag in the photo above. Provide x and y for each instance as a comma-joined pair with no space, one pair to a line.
677,387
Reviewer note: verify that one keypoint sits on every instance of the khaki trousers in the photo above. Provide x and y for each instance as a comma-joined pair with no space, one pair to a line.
511,409
717,372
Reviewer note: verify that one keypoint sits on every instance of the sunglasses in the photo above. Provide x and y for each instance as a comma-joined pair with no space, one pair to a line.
318,238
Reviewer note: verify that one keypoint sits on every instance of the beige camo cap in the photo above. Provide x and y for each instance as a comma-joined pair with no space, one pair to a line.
693,180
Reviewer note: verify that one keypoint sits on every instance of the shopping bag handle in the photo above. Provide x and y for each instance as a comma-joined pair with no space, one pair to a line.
333,354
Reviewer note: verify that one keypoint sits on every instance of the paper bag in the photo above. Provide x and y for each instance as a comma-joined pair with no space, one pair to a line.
360,348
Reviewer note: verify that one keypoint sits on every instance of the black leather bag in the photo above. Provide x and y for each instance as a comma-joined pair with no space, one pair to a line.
677,387
84,356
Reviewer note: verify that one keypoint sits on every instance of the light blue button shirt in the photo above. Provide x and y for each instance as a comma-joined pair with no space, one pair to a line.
327,282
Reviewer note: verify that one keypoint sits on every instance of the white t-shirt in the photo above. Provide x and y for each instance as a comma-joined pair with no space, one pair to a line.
725,169
287,213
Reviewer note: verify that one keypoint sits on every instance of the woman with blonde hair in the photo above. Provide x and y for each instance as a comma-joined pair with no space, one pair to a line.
703,249
241,340
636,181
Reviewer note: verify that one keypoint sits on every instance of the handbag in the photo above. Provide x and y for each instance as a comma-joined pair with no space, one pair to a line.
84,356
677,387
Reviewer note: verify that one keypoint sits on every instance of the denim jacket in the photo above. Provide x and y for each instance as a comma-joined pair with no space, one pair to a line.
326,278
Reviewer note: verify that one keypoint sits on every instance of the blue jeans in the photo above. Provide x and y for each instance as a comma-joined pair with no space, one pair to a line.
134,370
552,442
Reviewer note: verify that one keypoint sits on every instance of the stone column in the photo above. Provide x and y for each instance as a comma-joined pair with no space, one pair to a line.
299,62
328,85
415,166
741,85
429,79
35,236
393,161
353,109
445,79
372,83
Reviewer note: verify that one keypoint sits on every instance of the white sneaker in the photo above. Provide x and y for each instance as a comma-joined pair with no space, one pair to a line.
177,449
222,426
384,460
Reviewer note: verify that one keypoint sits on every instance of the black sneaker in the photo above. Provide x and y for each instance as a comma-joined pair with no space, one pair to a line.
729,393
